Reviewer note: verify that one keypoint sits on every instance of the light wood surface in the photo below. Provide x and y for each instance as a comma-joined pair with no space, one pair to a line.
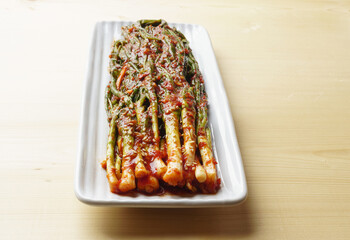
286,70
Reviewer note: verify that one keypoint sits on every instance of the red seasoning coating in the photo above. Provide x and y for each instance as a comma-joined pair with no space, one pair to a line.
157,108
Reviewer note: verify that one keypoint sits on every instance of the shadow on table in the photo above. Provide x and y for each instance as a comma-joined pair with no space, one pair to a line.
133,222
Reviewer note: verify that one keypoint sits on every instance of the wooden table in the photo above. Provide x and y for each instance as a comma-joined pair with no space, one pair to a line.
286,69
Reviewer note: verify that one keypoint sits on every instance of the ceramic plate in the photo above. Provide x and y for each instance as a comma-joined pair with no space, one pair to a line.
91,184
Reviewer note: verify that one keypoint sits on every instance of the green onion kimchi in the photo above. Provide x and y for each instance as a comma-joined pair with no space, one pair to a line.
157,110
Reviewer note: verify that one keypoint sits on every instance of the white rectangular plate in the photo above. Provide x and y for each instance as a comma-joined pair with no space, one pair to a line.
91,184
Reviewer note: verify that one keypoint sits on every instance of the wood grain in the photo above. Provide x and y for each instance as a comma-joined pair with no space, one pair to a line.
285,66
